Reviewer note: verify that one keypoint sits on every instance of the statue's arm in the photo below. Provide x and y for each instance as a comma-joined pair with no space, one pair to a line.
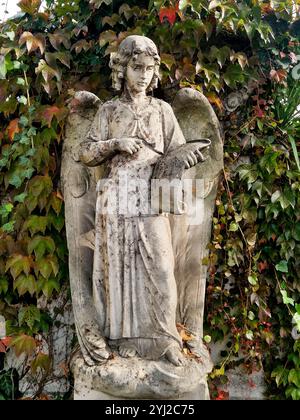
97,147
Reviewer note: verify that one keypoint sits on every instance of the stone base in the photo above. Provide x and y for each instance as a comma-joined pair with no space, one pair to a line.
82,392
139,379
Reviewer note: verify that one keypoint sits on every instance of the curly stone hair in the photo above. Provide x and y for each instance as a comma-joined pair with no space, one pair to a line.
132,46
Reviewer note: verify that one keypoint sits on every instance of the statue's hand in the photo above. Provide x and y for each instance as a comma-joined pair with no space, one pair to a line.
193,155
128,144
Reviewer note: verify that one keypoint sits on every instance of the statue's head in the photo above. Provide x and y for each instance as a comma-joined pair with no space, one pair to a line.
136,55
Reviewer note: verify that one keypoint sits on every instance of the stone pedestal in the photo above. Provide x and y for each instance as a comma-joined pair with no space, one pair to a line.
135,379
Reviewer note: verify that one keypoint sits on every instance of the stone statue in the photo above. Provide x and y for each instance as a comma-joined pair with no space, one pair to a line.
135,264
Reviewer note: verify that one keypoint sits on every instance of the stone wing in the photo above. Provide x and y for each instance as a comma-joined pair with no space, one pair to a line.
191,234
79,189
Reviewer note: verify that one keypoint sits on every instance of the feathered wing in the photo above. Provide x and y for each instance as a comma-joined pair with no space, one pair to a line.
79,190
191,233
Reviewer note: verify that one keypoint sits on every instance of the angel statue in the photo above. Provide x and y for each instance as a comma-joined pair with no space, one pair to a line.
136,269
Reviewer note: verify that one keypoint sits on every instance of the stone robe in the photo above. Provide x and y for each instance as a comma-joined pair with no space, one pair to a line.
134,287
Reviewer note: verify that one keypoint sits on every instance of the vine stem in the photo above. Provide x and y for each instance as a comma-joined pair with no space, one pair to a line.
277,279
240,229
28,100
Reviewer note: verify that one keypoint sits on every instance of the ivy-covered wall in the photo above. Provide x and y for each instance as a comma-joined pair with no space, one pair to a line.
245,57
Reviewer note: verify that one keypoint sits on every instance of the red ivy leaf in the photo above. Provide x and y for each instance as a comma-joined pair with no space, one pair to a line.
222,395
13,128
262,266
46,114
169,13
259,112
4,343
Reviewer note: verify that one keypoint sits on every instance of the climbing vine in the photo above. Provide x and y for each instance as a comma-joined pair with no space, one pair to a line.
244,56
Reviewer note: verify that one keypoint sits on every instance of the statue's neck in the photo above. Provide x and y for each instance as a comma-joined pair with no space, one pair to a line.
135,98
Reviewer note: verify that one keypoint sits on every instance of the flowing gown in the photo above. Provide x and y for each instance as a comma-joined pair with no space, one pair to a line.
134,287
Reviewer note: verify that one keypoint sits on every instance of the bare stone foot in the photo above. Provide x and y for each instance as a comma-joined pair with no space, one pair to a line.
174,355
97,345
102,353
127,351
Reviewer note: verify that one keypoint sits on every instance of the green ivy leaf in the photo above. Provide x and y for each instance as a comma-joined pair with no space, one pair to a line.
47,286
287,300
46,266
20,197
294,377
253,280
42,361
233,227
3,285
18,264
282,266
36,224
41,245
23,344
6,209
24,284
29,315
234,75
8,227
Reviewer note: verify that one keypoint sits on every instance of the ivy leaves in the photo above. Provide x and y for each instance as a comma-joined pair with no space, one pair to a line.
215,47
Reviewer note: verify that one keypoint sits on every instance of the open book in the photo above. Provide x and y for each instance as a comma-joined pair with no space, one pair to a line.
169,194
171,165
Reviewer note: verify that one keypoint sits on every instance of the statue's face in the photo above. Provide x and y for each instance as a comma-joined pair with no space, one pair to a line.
140,72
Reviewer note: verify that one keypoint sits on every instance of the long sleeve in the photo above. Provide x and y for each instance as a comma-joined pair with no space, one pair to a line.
97,147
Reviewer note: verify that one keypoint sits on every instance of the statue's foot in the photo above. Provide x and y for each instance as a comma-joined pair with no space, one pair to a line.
102,353
126,350
175,356
96,345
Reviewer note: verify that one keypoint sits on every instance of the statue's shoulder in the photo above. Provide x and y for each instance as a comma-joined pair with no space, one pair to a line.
110,105
163,105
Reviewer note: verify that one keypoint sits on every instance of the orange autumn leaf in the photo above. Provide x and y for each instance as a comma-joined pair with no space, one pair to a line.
33,42
278,76
215,99
59,195
266,8
30,6
13,128
184,333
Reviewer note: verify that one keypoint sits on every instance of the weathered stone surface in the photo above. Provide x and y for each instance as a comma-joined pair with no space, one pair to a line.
140,379
136,274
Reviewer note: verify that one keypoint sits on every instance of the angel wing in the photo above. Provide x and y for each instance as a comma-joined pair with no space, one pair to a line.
79,190
197,120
